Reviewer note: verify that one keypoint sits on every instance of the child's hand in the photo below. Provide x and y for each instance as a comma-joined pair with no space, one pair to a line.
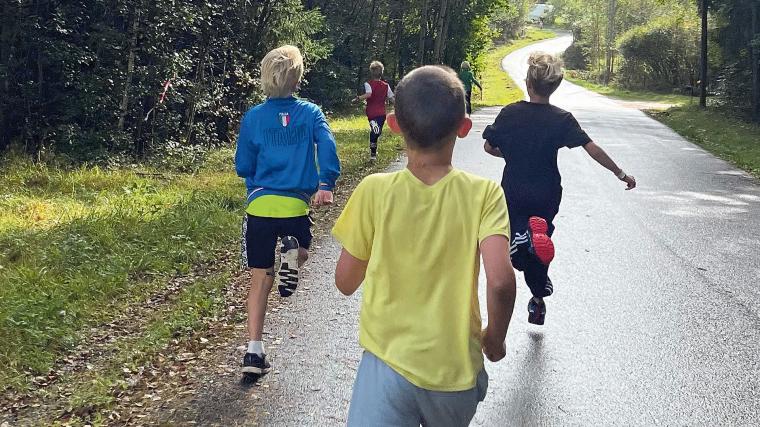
493,348
322,198
631,181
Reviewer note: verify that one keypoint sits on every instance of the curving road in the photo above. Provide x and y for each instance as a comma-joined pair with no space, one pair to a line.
655,319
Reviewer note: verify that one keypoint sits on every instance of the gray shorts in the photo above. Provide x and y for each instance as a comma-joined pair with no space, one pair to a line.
382,397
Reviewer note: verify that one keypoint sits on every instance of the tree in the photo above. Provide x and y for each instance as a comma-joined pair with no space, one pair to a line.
703,6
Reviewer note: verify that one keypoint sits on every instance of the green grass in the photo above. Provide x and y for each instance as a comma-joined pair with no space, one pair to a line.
727,136
79,245
499,88
671,99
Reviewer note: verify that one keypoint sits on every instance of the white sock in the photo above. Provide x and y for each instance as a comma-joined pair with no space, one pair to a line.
256,347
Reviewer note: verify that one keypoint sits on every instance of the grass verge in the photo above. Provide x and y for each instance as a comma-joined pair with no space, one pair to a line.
727,136
499,88
669,99
79,247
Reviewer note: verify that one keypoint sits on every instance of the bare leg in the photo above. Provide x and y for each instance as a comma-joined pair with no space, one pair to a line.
258,294
303,255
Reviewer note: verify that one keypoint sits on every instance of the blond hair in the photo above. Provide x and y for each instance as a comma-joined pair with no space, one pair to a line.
281,71
376,69
544,73
465,65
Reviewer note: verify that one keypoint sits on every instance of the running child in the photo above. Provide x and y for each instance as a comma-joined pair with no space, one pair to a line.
528,135
276,156
468,79
377,93
420,320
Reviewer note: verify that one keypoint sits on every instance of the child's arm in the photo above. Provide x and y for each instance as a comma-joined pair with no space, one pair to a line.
500,294
327,159
355,231
490,149
245,153
367,93
597,153
477,83
349,273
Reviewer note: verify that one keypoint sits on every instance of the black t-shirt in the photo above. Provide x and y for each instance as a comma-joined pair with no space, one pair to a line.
529,136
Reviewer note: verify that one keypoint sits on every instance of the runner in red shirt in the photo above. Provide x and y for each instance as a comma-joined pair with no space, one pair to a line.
377,93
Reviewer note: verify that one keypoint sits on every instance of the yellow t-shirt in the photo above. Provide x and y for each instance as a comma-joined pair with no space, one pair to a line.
420,312
274,206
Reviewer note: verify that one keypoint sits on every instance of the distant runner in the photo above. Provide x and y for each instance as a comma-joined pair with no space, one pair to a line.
468,79
377,93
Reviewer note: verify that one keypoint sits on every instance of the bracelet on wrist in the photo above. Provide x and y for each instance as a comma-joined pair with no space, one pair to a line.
622,175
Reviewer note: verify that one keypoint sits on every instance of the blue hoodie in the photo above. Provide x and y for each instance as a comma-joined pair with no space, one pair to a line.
276,150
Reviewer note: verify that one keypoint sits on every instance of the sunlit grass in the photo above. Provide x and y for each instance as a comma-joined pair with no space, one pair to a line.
728,136
78,245
498,88
667,99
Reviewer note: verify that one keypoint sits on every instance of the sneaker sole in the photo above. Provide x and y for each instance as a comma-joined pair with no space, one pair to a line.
255,370
541,242
288,266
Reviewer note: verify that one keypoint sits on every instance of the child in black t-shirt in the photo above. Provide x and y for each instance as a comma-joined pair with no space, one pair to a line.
528,135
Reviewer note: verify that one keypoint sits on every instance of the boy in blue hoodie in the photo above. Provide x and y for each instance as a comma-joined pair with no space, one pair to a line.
287,154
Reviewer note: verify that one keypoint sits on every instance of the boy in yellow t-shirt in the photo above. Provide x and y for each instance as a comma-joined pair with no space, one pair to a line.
413,238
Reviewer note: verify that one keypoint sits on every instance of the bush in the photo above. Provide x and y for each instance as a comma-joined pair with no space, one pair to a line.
661,55
576,56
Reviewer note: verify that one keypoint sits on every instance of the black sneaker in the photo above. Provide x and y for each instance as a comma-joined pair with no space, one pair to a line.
288,266
536,311
255,364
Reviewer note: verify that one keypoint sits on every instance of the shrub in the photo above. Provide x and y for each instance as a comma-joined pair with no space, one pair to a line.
660,55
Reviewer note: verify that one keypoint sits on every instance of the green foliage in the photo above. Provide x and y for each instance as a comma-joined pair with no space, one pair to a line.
86,78
660,55
95,80
576,56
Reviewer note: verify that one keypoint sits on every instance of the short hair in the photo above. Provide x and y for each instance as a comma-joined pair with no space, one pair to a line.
544,73
465,65
429,106
281,71
376,69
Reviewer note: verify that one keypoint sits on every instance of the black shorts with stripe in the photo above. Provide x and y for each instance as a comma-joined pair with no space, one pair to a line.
260,234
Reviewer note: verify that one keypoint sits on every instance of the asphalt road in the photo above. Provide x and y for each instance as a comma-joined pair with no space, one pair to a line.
654,320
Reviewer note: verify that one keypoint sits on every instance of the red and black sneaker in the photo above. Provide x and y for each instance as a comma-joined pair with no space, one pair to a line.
541,244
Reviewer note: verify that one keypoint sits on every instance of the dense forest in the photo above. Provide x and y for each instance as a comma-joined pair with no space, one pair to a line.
655,44
91,80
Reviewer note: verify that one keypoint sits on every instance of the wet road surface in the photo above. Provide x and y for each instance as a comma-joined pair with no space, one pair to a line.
655,316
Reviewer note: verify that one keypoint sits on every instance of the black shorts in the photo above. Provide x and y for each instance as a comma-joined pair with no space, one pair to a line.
259,237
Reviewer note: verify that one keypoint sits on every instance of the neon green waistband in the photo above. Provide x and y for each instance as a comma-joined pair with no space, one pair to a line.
274,206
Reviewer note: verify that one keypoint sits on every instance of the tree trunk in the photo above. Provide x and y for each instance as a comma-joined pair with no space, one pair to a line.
398,69
423,33
365,45
611,13
755,58
440,39
130,71
6,25
703,56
